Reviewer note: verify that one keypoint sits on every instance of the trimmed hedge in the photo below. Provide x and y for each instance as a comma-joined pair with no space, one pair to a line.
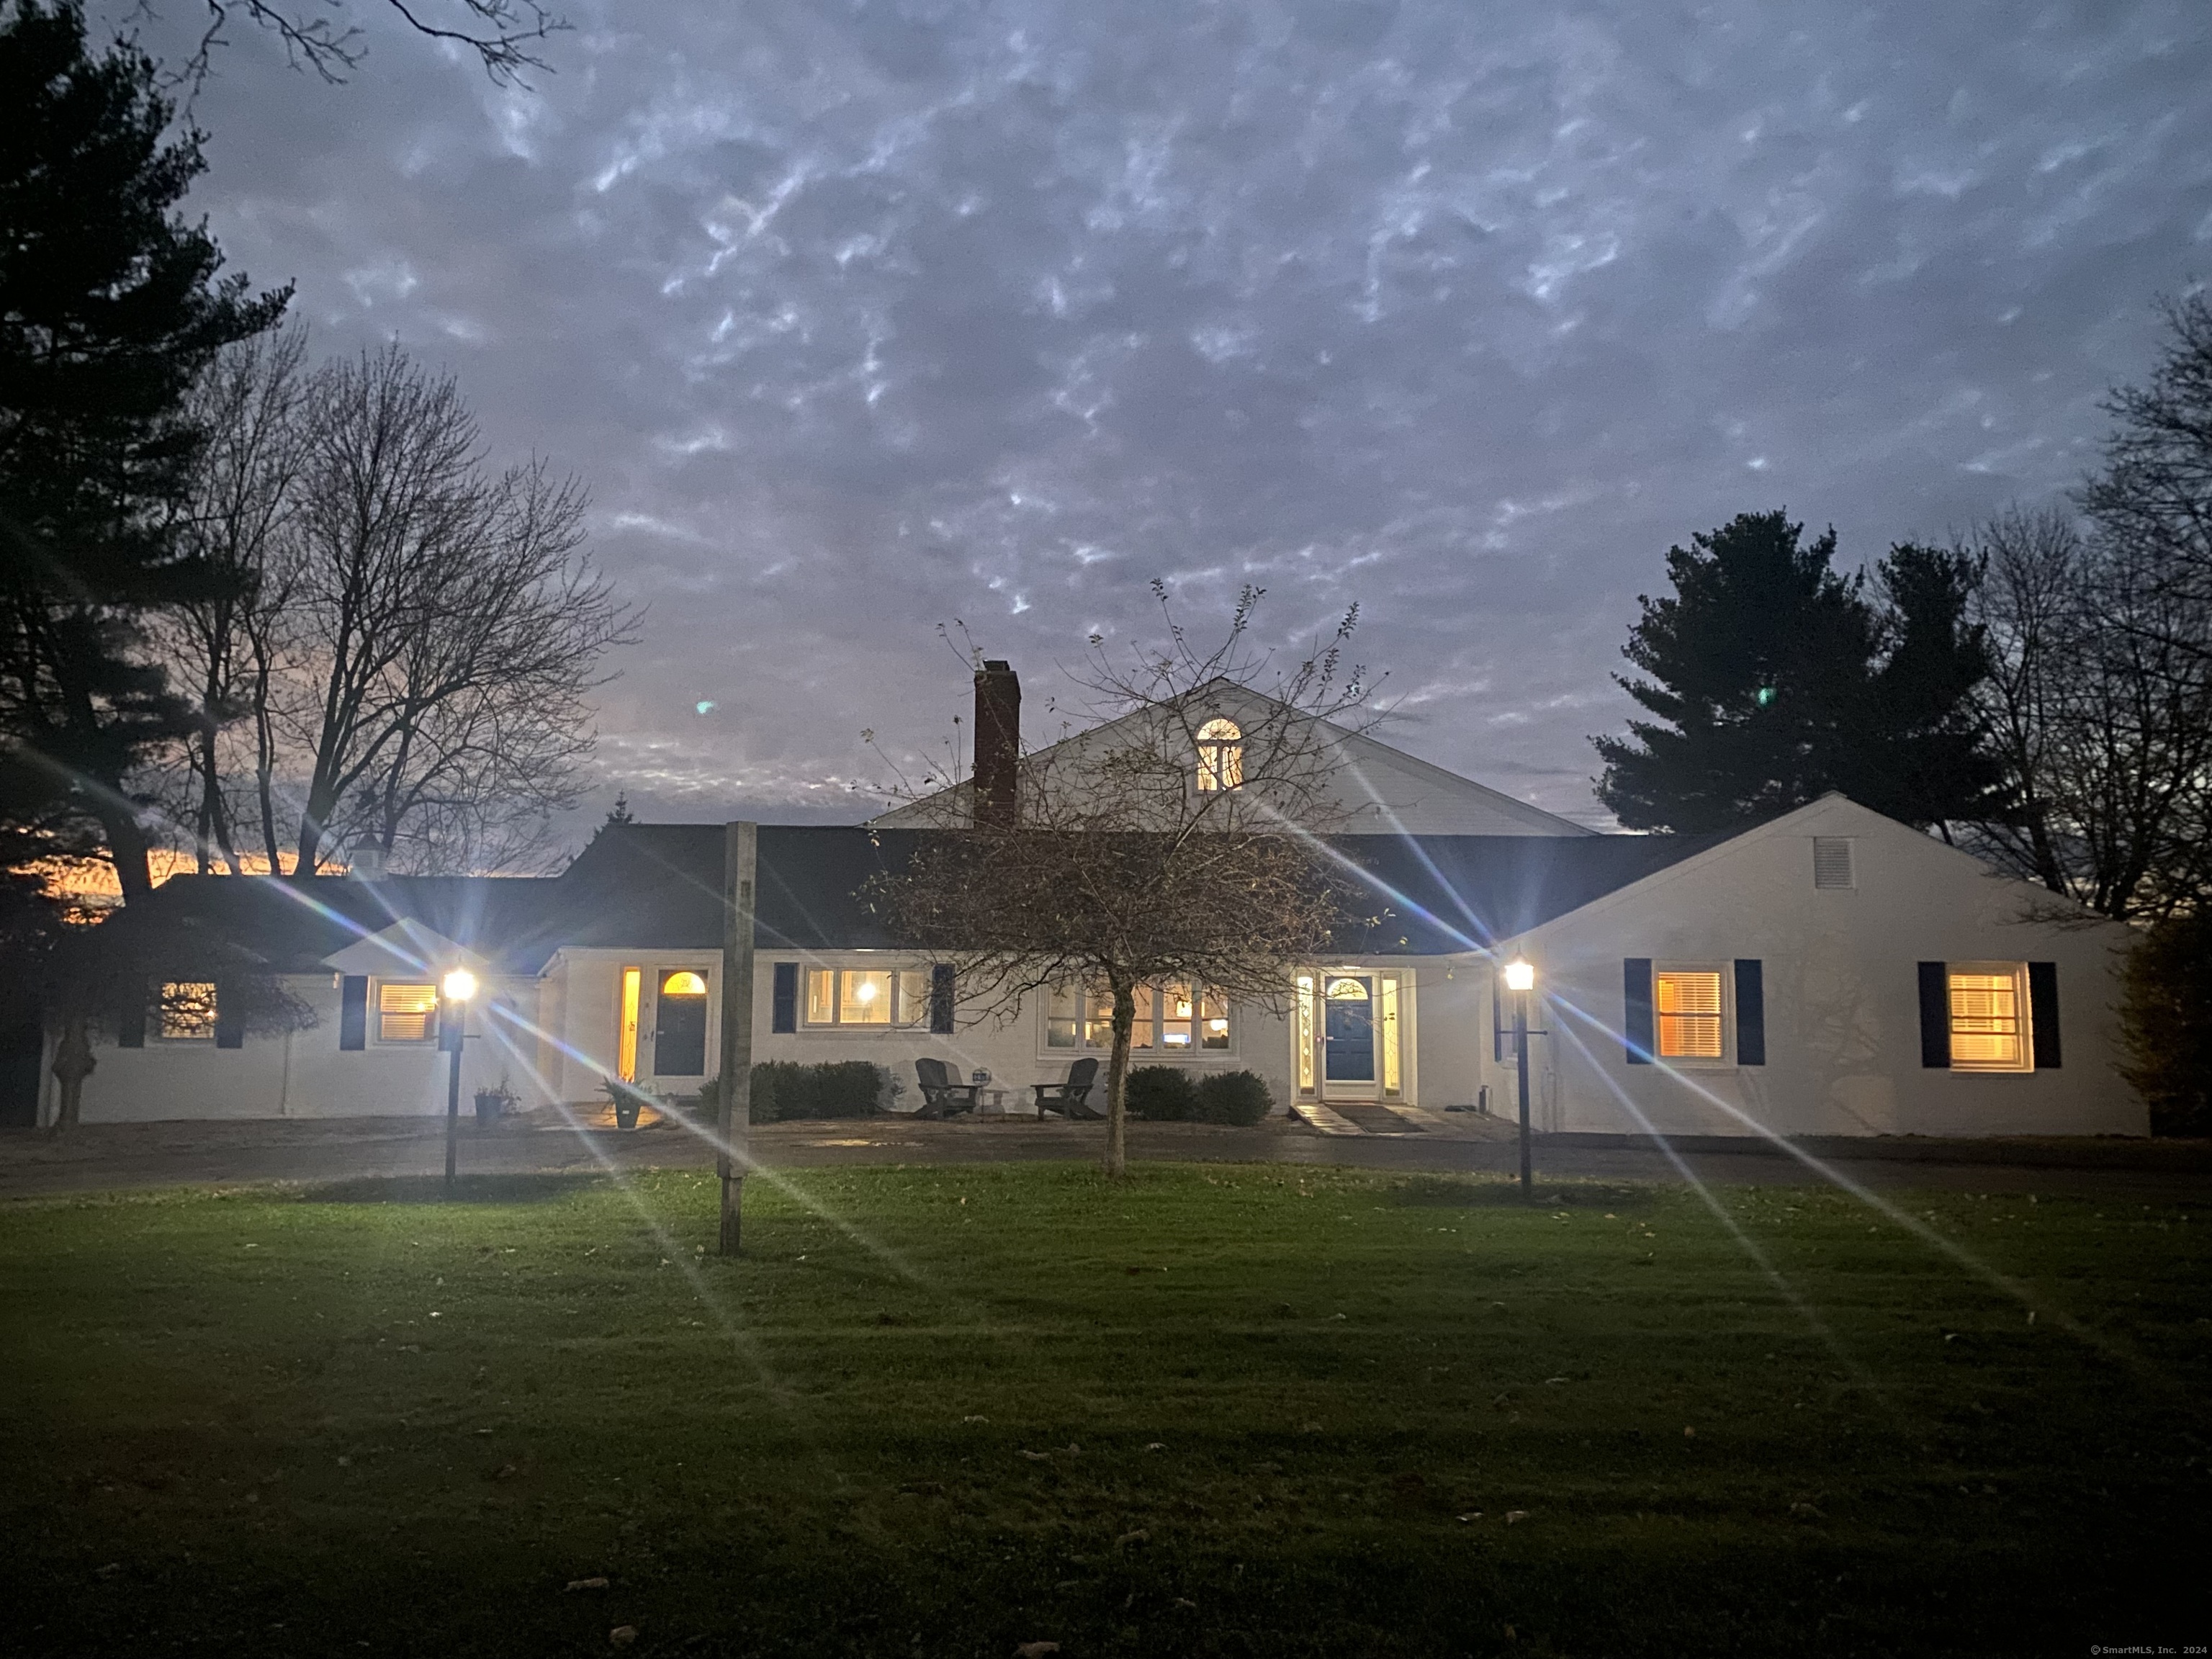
1169,1094
1161,1094
1240,1098
784,1088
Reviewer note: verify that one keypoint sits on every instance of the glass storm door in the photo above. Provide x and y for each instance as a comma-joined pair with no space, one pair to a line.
1347,1045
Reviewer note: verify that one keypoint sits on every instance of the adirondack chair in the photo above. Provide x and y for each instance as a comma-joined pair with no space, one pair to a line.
940,1096
1071,1099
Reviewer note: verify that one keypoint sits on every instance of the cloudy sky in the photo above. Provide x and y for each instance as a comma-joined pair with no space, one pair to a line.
860,318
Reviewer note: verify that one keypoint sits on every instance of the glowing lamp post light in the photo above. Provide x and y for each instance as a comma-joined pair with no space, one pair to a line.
1521,978
460,989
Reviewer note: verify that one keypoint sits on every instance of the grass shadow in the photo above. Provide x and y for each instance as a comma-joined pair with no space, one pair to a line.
1496,1193
518,1188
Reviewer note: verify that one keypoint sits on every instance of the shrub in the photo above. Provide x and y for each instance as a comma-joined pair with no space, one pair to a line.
784,1089
1240,1098
1161,1094
2165,1023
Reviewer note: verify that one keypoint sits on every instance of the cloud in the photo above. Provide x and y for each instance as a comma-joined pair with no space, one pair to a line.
858,319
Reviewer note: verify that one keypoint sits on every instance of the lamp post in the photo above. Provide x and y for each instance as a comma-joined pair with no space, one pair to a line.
460,987
1521,978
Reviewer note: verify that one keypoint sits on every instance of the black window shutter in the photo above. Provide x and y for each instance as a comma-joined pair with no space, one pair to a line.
1750,1013
1935,1016
2042,1013
229,1018
1636,1000
1498,1018
131,1017
353,1012
783,1004
941,998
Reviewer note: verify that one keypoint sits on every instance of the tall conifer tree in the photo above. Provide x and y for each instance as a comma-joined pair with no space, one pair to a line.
110,305
1775,679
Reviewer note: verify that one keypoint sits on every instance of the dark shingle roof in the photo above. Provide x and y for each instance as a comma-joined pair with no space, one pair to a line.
1436,894
658,887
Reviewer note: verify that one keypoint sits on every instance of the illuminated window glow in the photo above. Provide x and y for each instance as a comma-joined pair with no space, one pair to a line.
1220,756
188,1010
406,1013
684,983
1173,1016
1989,1019
626,1043
1306,1024
1385,1037
1689,1009
870,999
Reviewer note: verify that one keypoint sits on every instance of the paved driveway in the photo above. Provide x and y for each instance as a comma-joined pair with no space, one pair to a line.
99,1157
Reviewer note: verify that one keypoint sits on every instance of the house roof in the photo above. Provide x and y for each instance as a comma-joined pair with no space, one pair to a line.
658,887
1435,894
1358,751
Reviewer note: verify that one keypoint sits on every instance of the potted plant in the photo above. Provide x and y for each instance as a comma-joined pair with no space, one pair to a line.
626,1098
494,1103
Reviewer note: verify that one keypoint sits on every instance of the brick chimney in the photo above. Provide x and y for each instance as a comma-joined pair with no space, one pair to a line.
997,744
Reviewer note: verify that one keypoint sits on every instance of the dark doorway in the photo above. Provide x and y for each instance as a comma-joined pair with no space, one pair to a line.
679,1037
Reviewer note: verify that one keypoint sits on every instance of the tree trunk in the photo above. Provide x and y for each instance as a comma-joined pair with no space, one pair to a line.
1117,1081
127,846
73,1063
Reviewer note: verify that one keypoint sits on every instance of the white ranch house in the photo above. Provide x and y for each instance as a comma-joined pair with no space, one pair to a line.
1830,972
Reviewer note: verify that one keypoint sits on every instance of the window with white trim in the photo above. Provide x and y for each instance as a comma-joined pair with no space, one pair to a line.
867,999
188,1010
1990,1018
407,1012
1220,756
1174,1016
1689,1007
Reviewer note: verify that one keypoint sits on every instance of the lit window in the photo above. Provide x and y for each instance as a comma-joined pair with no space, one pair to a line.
1989,1017
1307,1022
1689,1009
633,980
1175,1016
406,1013
863,997
1214,1020
1178,1014
684,983
188,1010
913,997
877,998
1220,756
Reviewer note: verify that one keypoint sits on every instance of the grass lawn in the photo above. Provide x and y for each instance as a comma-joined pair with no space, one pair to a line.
1215,1410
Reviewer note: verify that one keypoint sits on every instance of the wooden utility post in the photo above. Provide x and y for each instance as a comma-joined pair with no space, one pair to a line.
740,849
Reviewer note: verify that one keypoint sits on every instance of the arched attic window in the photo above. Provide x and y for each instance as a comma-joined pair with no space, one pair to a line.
1220,756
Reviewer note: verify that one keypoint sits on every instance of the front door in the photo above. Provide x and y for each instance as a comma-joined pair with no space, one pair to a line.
1347,1045
679,1038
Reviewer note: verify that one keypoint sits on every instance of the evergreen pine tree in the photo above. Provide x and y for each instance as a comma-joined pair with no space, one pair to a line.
110,305
1774,679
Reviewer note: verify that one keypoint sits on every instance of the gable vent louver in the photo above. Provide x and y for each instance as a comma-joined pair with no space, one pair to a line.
1831,862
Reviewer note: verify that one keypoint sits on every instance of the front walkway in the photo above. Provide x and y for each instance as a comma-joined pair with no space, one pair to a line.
116,1156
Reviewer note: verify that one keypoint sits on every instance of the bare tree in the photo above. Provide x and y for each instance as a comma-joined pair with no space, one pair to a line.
2101,713
228,646
1155,846
504,35
2153,495
450,628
